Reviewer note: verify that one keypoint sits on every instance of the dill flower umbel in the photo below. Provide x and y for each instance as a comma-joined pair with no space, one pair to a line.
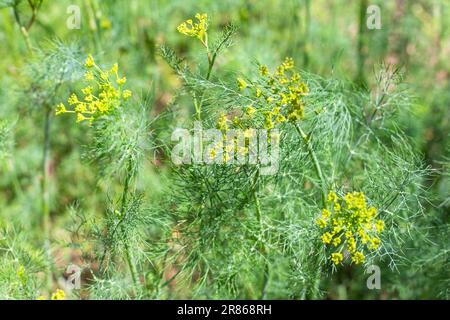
278,98
58,295
197,29
282,91
350,226
102,94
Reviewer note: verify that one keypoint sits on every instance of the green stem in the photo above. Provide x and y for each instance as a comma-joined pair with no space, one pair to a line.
319,173
128,255
263,248
23,29
307,32
316,163
90,7
198,105
45,190
361,78
211,60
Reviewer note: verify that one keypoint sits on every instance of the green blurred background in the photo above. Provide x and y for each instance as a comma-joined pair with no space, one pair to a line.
326,37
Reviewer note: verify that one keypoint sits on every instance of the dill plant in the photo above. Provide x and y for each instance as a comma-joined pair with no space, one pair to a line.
50,66
119,138
149,229
240,234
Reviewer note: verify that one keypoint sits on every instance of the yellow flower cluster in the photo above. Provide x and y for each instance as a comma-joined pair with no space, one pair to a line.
283,90
57,295
102,94
224,124
197,29
350,225
278,98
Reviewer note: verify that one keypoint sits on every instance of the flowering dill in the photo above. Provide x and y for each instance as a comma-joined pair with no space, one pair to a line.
350,225
102,94
282,90
57,295
197,29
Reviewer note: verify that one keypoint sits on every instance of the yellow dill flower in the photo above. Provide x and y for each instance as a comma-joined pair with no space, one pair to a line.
80,117
280,71
364,237
101,95
332,197
374,243
268,121
295,115
89,76
258,92
105,23
104,75
263,70
277,93
358,257
276,111
337,229
379,226
21,272
222,123
198,29
337,207
326,237
321,223
73,99
89,63
372,212
336,241
326,213
41,298
81,108
58,295
295,77
351,244
60,109
280,118
336,257
115,68
338,224
226,157
126,94
89,98
212,153
288,63
241,84
353,219
87,90
121,81
250,111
